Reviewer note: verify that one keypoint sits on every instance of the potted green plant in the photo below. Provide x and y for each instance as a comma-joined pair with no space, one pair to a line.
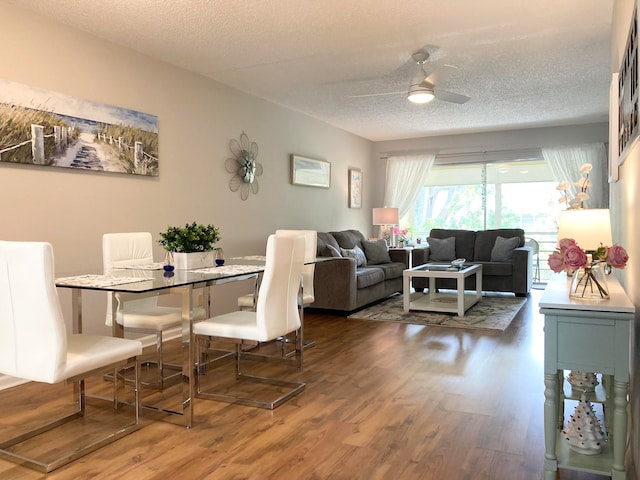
190,246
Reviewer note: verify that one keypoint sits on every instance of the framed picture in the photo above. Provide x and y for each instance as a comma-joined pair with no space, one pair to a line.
628,93
310,172
613,129
355,188
51,129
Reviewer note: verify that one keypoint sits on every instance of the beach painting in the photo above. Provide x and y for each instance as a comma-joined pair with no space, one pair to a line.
39,127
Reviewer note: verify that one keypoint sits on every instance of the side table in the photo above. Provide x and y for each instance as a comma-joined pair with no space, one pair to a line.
406,249
589,336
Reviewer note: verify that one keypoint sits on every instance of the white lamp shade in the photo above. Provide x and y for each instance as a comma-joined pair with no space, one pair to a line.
588,227
385,216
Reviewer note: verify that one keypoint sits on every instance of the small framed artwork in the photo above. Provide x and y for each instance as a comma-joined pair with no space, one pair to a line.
355,188
613,129
628,93
310,172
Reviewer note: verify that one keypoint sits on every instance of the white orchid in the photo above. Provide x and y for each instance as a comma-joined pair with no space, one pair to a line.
583,184
585,168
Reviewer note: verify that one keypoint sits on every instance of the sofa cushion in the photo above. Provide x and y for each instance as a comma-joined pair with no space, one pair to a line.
367,276
502,250
465,241
392,270
325,239
442,249
496,269
357,253
348,238
486,239
376,252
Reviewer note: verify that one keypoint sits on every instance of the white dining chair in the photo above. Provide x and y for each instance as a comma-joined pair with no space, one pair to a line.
35,346
140,312
276,315
249,301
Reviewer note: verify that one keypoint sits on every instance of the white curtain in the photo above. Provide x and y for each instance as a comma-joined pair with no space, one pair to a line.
565,162
406,175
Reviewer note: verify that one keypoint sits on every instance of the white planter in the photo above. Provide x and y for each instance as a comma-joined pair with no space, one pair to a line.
191,261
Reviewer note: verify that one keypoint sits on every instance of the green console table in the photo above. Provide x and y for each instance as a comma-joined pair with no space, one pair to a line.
587,336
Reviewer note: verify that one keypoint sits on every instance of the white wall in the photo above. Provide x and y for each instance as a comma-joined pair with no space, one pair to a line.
197,119
625,198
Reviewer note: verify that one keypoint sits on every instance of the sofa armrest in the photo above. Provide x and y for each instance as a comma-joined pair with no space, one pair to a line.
522,270
399,255
420,256
334,284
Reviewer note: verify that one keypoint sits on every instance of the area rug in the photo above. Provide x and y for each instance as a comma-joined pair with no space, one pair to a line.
490,313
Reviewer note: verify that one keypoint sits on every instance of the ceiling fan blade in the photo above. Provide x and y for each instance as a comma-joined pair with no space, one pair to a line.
376,94
440,74
450,97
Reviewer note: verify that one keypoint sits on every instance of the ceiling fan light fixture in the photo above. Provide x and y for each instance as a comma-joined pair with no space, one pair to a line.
420,94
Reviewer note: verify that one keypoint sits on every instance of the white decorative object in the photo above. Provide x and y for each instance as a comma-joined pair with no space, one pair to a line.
584,432
584,381
244,166
193,260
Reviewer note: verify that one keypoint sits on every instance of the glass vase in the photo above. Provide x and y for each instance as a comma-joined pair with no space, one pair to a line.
590,283
219,255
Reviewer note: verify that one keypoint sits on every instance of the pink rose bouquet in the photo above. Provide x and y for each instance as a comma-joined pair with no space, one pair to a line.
403,232
589,281
569,257
617,257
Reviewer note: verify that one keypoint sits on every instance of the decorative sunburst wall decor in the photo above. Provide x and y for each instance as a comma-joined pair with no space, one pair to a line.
243,166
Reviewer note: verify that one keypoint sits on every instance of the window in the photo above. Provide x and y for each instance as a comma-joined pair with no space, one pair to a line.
518,194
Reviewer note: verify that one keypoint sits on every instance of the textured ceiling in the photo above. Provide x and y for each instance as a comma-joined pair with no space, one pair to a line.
523,63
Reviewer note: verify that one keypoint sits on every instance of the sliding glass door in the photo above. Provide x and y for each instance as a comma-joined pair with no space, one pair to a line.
481,196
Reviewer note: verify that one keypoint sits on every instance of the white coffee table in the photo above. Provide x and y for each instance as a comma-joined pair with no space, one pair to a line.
434,301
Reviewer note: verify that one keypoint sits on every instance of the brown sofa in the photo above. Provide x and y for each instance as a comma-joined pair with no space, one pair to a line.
498,275
341,285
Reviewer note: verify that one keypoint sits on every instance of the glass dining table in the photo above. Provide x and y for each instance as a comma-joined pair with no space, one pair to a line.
138,279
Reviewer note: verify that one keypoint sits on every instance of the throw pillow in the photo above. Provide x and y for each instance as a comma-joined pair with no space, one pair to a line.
502,250
376,252
357,253
333,251
442,249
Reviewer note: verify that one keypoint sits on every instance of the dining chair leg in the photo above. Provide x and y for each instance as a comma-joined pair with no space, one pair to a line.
299,347
160,358
306,344
64,456
117,379
238,359
292,388
137,387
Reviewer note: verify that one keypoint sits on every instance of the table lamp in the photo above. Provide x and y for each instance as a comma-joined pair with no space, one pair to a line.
386,217
588,227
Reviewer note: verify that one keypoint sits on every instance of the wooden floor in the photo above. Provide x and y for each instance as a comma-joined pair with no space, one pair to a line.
383,401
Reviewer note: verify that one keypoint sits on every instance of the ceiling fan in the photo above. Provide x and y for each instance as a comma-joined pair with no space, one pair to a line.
423,87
